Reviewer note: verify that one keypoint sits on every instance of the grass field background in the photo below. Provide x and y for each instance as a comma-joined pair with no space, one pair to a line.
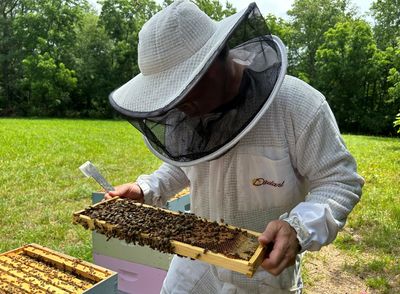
41,186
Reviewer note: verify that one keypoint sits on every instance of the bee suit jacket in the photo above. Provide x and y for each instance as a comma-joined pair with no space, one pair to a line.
292,165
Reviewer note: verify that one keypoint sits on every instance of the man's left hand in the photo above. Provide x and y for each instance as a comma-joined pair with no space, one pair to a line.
285,246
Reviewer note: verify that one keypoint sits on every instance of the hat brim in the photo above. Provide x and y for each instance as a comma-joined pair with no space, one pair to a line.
151,95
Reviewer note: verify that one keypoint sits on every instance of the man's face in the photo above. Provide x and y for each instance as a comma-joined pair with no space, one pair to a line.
208,94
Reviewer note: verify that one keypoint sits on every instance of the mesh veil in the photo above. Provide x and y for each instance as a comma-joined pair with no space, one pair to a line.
183,140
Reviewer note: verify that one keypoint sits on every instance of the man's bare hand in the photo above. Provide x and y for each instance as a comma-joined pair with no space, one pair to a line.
285,246
129,190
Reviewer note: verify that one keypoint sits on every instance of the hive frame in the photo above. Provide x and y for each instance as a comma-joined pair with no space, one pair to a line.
238,265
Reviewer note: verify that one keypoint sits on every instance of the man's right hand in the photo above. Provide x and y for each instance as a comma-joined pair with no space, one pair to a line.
129,190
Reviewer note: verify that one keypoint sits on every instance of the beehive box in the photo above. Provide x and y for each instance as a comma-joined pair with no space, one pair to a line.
140,268
37,269
219,244
134,253
181,203
127,251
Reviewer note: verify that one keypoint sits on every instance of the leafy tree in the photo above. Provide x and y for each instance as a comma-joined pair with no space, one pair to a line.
48,84
49,26
122,21
279,27
353,73
387,16
394,72
283,29
93,65
310,19
394,80
42,66
59,57
9,54
213,8
343,65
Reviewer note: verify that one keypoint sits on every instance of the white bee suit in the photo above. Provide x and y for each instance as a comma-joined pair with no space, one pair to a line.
293,165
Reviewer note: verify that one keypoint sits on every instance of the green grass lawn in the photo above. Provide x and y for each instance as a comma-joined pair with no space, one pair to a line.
41,186
374,235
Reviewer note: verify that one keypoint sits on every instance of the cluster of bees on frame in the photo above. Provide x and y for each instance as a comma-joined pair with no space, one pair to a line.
154,227
39,275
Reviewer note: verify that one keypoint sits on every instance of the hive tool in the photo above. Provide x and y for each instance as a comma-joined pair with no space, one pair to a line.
89,170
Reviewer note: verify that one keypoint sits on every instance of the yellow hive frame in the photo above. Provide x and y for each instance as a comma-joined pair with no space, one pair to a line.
39,282
239,265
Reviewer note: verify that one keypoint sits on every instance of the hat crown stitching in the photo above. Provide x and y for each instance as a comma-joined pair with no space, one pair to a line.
172,36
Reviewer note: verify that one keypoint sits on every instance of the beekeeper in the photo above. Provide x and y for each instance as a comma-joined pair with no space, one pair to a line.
258,148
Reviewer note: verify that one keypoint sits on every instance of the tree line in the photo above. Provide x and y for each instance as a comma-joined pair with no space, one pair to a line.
62,57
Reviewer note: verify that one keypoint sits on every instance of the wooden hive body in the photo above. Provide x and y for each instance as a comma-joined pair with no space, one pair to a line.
37,269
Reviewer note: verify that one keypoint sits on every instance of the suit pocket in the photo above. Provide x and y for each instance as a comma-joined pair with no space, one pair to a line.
264,182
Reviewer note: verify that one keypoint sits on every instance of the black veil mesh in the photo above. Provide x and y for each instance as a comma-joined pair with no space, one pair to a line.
181,138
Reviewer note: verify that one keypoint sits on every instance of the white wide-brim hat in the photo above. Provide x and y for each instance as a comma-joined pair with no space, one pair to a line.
176,46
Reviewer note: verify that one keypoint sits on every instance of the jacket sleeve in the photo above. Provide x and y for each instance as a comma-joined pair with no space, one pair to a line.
159,186
335,187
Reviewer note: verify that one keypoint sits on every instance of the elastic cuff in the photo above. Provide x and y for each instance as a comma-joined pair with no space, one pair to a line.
303,235
148,196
